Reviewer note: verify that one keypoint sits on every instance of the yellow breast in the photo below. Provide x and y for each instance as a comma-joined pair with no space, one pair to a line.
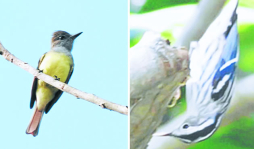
53,64
56,64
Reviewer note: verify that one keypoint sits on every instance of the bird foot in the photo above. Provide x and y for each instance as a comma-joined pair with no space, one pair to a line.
40,71
175,98
56,78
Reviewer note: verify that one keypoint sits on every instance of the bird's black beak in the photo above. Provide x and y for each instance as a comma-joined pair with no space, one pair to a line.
75,36
161,134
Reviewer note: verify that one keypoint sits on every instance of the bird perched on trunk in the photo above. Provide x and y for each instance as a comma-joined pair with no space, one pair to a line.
213,61
58,63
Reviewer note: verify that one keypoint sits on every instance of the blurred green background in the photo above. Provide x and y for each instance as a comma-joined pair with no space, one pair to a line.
145,15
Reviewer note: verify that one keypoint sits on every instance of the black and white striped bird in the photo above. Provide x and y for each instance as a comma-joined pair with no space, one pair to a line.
213,61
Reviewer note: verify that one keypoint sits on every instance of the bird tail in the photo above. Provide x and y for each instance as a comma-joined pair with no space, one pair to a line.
34,124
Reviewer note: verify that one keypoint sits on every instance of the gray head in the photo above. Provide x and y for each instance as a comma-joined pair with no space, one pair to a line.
195,129
62,38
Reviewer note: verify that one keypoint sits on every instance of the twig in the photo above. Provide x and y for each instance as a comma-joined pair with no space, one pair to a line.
62,86
205,13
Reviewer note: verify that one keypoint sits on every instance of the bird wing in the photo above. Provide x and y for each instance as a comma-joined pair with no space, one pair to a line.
59,92
34,87
213,56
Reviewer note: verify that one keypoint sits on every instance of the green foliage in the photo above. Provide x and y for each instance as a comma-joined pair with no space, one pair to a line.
135,40
151,5
246,60
238,135
246,3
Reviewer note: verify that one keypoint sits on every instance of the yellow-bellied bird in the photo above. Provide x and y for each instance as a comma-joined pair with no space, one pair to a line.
58,63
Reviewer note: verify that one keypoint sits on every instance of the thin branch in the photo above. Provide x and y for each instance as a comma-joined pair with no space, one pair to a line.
204,15
62,86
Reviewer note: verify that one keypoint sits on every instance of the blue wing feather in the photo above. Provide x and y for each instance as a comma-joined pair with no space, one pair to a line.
213,60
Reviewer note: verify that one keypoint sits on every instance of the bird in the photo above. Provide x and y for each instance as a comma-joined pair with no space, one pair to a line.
57,63
213,61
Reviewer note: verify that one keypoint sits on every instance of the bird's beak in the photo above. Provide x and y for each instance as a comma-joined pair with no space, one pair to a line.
75,36
161,134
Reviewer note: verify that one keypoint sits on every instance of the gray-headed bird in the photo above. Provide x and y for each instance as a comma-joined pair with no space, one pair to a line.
58,63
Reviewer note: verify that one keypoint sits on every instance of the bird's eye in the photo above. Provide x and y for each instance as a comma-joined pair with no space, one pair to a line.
61,37
185,126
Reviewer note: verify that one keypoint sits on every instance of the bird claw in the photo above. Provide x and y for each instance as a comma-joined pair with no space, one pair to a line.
56,78
168,42
175,98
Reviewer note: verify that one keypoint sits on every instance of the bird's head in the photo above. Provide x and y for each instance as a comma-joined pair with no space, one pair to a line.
196,129
62,38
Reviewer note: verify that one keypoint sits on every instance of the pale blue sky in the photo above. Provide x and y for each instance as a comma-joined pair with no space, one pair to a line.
100,56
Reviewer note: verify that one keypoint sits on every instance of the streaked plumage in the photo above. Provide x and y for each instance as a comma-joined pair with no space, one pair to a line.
213,61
